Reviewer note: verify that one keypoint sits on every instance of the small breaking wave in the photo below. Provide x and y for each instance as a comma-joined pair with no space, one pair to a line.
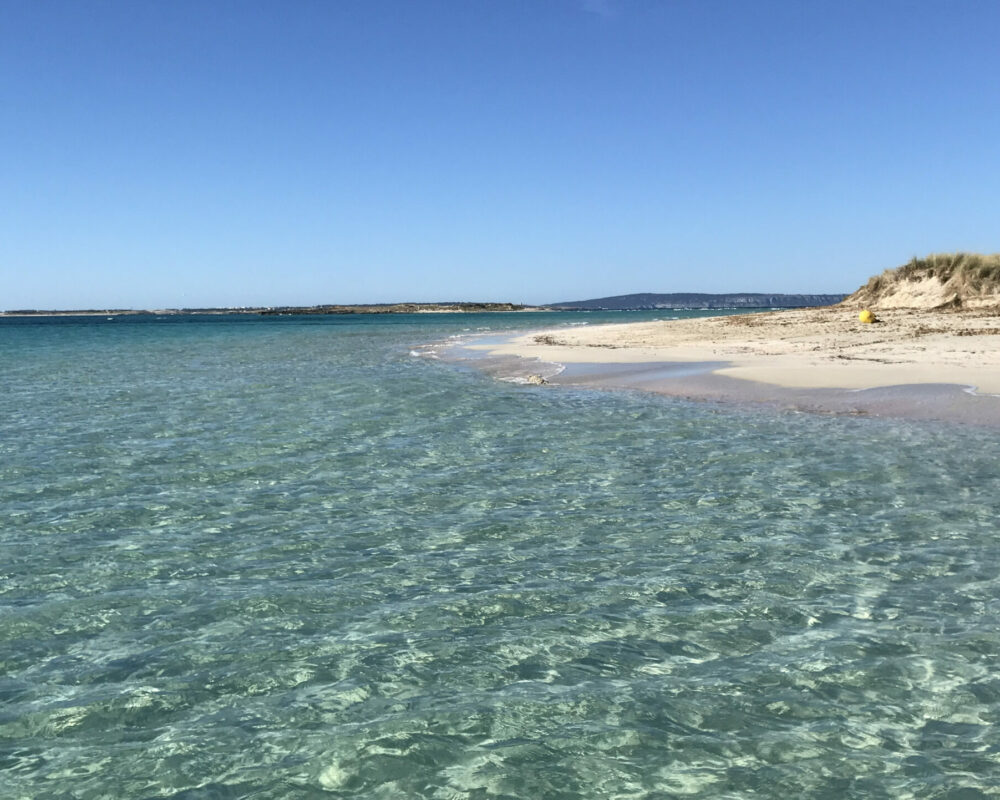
425,351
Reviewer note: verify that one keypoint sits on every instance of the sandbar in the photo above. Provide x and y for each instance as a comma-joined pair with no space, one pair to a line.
918,363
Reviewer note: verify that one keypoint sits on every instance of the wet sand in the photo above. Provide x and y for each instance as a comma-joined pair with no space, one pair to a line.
917,364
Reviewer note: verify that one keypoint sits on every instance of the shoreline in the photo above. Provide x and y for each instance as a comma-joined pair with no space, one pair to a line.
917,364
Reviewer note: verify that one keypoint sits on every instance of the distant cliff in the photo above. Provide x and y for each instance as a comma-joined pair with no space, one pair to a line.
638,302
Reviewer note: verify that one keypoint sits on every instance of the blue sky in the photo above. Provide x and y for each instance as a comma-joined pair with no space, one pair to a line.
167,154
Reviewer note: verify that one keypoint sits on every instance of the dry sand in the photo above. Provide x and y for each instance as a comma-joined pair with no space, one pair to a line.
913,363
803,348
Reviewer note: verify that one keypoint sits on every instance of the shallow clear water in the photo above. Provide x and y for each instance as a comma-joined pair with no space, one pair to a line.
286,559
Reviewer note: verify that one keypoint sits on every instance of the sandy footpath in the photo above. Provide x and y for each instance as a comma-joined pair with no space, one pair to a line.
798,348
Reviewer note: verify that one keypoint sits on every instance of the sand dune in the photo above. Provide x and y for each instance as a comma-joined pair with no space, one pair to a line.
942,280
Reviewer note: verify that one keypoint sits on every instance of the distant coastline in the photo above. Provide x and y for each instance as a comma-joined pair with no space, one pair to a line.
631,302
698,300
374,308
403,308
123,312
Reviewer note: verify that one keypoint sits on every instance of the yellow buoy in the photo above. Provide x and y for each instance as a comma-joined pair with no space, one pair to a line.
866,316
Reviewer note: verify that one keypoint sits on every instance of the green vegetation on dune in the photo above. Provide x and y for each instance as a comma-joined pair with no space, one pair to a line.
974,269
961,277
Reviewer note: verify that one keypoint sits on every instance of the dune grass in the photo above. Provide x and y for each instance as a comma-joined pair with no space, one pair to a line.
964,272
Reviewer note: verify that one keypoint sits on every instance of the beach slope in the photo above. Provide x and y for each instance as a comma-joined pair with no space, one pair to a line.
937,336
803,348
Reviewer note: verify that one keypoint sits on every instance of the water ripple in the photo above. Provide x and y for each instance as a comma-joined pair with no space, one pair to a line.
291,561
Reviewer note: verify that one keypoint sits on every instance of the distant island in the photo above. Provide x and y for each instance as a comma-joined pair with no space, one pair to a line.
121,312
374,308
399,308
642,302
625,302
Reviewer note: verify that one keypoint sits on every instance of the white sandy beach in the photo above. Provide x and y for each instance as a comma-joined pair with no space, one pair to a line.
799,348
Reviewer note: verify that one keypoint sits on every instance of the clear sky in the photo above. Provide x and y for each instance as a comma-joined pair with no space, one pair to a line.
174,153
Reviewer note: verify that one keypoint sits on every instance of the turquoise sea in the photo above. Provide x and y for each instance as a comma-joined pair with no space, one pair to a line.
250,557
